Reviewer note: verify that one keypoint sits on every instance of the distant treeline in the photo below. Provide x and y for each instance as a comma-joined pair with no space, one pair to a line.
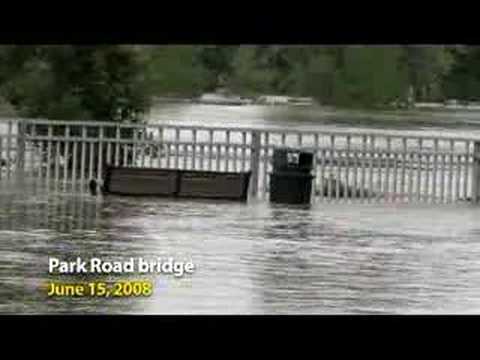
337,75
114,82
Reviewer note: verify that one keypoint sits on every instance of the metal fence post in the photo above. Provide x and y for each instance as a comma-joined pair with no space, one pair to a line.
476,172
255,148
20,163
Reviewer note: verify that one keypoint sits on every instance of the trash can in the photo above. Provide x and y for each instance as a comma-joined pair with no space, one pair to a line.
292,161
291,179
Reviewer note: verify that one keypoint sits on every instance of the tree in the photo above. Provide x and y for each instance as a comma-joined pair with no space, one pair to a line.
316,75
249,75
427,65
371,76
217,61
463,81
66,82
102,83
173,70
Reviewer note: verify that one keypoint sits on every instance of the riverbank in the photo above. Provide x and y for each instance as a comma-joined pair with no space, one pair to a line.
221,98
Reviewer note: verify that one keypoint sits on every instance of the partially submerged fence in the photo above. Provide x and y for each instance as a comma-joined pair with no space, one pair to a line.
348,166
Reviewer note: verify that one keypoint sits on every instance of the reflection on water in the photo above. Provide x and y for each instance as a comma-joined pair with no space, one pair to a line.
251,258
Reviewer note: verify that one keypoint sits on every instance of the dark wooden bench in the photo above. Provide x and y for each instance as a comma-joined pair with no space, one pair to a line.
176,183
140,181
213,185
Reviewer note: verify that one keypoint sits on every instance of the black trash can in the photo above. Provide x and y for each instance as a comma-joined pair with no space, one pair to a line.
290,187
291,179
280,160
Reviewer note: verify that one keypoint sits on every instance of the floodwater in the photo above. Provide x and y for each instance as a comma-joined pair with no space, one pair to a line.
253,258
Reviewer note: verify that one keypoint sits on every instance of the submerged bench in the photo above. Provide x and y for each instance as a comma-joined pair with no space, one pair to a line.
176,183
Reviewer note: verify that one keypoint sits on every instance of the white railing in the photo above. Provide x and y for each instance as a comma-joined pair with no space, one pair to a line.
347,166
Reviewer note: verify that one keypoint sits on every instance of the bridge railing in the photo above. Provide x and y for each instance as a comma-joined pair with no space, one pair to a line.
348,166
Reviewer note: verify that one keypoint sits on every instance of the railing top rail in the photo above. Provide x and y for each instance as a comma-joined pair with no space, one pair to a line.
274,130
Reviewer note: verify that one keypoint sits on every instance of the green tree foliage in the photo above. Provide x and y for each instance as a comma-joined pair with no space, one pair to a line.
463,81
363,76
115,82
370,76
366,76
175,70
249,75
427,65
74,82
316,76
217,60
